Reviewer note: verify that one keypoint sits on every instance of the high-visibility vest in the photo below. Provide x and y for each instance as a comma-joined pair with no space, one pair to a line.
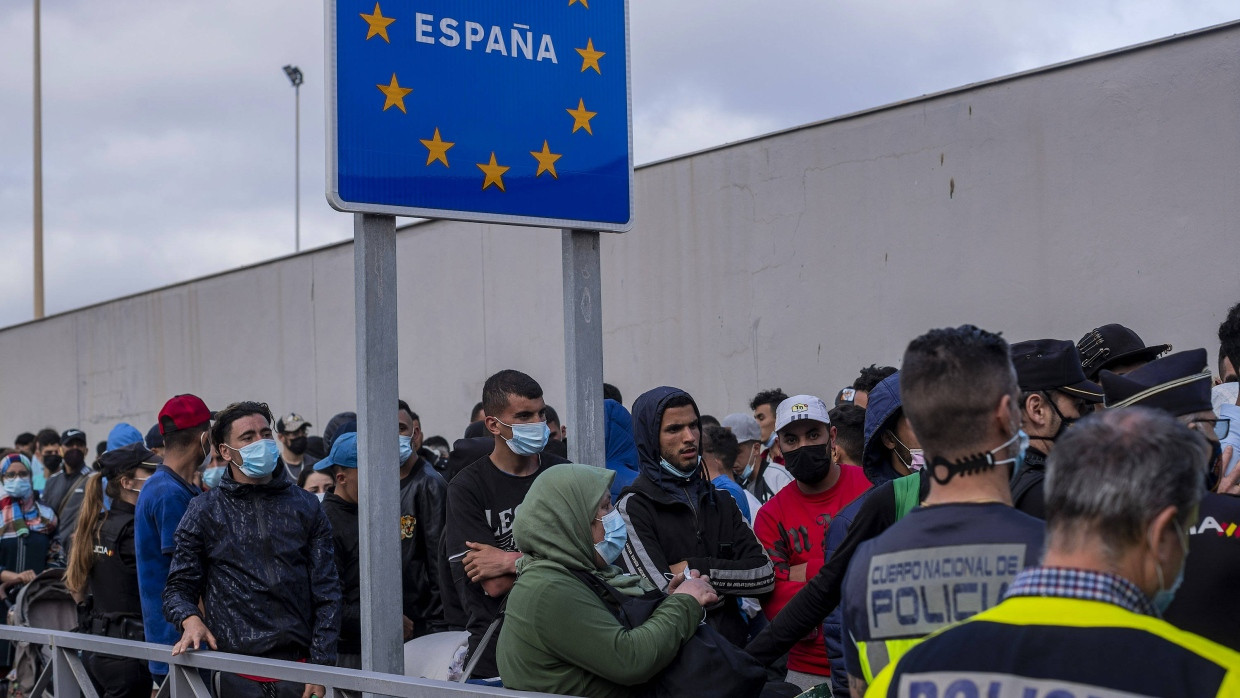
1066,648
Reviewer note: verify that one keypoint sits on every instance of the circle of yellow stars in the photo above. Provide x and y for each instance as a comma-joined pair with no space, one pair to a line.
437,149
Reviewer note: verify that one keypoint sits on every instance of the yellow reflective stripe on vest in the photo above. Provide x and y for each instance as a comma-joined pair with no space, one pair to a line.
1074,613
877,654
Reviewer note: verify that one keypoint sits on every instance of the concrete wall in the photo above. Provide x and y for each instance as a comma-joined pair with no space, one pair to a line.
1042,205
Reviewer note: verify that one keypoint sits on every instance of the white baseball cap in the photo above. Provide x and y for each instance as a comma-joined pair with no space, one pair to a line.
743,426
800,407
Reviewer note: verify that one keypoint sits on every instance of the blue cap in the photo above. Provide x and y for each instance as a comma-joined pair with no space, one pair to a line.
343,453
123,434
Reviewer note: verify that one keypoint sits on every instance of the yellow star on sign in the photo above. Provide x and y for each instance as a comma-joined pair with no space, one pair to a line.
581,117
585,3
546,160
378,24
437,149
494,172
395,94
589,57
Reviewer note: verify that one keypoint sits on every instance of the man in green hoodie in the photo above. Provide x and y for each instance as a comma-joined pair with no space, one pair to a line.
559,636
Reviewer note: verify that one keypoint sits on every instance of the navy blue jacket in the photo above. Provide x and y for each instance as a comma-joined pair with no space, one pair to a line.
622,456
262,560
881,414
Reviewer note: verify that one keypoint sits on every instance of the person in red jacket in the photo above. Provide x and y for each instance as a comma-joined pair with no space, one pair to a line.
793,524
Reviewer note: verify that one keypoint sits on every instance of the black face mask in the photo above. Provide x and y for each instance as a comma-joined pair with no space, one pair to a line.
297,445
809,464
52,462
75,459
1064,422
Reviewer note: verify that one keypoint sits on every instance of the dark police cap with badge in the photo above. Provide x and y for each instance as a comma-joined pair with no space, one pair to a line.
121,460
1114,345
1052,364
1179,384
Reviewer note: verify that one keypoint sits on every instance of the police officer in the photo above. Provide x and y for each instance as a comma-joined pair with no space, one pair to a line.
103,568
954,555
1179,384
1121,491
1053,395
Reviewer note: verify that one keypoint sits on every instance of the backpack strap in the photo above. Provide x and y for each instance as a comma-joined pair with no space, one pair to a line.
908,493
484,642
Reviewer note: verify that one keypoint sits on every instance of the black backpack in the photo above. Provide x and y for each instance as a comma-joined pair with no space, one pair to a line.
707,664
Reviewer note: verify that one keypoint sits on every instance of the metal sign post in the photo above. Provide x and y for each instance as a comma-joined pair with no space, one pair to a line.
583,347
374,282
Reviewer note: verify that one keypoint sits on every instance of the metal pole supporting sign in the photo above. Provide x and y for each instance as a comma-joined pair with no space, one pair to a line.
374,280
583,347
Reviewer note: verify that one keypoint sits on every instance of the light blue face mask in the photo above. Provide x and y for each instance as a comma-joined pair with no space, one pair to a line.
211,476
18,487
677,472
615,535
1163,597
259,458
528,439
406,449
1018,460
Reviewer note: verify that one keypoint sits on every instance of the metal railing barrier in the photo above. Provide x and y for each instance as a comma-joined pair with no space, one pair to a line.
67,678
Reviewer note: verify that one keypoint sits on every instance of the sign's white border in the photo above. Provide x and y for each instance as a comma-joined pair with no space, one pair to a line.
333,184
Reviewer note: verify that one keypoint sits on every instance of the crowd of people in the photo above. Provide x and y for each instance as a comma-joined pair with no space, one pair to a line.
991,519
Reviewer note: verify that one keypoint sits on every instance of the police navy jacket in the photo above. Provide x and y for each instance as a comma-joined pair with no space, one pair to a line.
261,557
671,520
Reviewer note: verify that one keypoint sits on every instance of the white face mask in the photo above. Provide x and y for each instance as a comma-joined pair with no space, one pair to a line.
320,496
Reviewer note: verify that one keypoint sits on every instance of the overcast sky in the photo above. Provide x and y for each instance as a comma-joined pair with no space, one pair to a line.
168,126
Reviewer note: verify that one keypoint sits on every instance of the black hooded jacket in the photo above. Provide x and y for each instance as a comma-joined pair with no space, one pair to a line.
343,517
262,560
672,520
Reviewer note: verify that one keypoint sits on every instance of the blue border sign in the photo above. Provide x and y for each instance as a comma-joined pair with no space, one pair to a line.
489,110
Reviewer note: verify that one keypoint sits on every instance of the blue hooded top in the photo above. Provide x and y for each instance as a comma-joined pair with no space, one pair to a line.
622,458
881,414
647,422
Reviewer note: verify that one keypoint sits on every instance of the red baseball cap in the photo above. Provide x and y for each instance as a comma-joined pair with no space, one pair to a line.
183,412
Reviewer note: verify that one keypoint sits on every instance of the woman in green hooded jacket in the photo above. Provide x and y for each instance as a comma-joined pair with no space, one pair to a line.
558,636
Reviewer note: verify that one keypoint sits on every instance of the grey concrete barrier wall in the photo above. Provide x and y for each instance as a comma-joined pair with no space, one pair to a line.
1041,205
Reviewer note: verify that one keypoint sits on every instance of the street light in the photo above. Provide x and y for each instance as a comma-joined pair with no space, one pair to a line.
38,166
295,77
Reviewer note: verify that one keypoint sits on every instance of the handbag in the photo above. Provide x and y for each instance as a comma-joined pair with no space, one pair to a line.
706,665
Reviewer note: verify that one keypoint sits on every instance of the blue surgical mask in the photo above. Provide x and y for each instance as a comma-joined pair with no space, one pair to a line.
747,472
1018,460
211,476
615,535
1163,597
259,458
528,439
18,487
406,449
677,472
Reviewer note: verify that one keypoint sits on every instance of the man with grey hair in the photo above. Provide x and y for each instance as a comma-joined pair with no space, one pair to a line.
955,555
1122,489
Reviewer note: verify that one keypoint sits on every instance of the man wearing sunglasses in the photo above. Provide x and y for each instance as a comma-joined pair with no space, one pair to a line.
1206,602
1053,395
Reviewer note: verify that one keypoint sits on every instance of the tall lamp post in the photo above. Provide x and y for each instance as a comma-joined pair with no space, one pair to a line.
295,77
38,167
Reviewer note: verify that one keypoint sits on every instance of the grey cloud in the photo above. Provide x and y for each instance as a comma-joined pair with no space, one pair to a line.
168,144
